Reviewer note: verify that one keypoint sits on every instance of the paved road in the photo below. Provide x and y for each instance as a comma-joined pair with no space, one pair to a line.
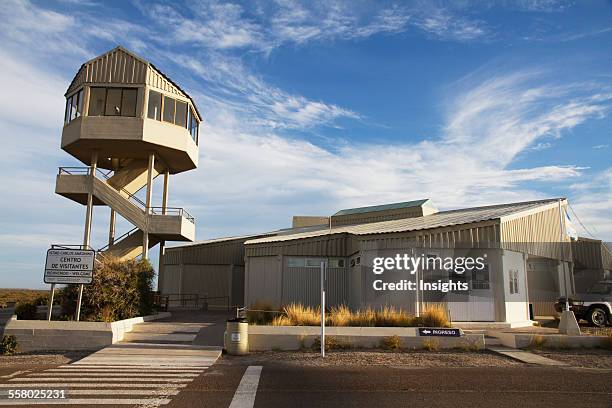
198,384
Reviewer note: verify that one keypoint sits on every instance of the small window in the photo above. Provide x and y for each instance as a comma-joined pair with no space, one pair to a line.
73,106
181,114
336,263
97,100
128,102
80,103
480,278
169,106
113,102
68,107
296,262
154,109
313,262
193,126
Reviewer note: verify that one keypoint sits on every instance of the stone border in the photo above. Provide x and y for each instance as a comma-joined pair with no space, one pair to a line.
42,335
525,340
266,338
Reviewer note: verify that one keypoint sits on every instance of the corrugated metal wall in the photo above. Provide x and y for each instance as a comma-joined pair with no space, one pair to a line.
536,234
116,67
336,245
376,216
207,280
588,253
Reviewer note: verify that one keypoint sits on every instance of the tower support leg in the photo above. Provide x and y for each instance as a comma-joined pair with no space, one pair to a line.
88,216
145,235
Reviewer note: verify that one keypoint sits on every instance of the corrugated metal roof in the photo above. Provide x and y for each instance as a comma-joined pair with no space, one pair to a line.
438,220
383,207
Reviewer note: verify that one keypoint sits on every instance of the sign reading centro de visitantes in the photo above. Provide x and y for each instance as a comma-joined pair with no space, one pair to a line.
69,266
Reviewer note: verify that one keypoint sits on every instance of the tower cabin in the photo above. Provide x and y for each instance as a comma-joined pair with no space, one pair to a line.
128,123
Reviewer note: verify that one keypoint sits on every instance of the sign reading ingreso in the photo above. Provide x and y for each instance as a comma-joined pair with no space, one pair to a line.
428,332
66,266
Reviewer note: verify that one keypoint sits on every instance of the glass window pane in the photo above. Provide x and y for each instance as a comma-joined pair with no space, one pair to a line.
181,114
73,107
113,102
79,103
97,100
189,120
154,109
128,102
169,105
67,113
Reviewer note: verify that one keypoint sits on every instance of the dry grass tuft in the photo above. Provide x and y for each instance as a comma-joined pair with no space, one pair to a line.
259,313
300,315
431,344
537,341
433,316
390,343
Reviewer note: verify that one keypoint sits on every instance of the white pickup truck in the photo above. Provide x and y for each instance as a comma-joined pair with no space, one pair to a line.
594,306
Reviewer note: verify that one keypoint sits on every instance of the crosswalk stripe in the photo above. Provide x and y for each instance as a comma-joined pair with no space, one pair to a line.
92,384
113,392
122,370
89,401
81,379
53,375
149,366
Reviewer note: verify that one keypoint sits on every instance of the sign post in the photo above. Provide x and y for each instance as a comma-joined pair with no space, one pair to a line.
322,308
68,266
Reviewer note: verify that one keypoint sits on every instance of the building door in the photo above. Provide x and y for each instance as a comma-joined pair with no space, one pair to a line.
476,304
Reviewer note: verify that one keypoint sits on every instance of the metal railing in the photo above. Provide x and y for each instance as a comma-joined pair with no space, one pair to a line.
193,301
129,195
118,239
172,211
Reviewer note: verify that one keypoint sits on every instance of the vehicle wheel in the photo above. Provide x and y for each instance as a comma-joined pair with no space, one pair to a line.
597,317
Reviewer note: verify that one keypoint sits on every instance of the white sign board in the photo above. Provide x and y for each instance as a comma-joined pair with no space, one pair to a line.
69,266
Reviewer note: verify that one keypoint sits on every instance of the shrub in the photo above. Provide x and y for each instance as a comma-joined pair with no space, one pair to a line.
433,316
8,345
431,344
120,290
537,341
26,311
390,343
259,313
331,343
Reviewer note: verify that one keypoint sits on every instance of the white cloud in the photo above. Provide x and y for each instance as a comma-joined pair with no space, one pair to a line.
601,146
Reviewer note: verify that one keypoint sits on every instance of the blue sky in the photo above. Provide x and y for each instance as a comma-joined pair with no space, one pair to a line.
311,107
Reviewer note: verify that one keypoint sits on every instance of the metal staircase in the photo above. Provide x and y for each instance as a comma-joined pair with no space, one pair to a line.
117,190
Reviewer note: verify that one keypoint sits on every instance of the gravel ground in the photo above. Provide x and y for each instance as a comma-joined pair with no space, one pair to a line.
595,358
40,359
376,358
597,331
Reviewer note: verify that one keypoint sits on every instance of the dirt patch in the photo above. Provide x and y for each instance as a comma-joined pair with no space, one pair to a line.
597,331
377,358
587,358
40,359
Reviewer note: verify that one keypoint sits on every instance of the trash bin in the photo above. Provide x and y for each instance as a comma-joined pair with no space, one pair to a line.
236,337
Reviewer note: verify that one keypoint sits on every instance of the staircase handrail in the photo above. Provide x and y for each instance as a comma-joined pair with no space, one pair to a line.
116,240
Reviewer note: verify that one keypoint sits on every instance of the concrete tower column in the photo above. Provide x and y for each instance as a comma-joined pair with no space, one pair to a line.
162,244
145,235
88,216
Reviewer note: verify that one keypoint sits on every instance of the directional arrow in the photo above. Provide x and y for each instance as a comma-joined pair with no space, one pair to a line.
426,331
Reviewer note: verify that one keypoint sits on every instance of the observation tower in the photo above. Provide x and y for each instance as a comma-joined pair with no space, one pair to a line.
128,123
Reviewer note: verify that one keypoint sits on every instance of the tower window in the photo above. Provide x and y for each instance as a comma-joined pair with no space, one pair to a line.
181,114
74,107
169,105
128,102
97,100
113,102
154,109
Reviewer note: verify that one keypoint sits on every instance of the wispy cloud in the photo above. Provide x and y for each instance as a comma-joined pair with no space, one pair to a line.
601,146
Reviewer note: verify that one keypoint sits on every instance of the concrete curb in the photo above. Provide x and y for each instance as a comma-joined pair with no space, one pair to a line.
42,335
266,338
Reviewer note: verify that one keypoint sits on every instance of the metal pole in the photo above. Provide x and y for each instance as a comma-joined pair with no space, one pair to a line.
322,308
562,229
51,302
417,295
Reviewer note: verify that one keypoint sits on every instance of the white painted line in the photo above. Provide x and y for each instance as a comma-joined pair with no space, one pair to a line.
149,402
15,373
122,370
81,379
247,389
91,384
173,391
109,374
132,366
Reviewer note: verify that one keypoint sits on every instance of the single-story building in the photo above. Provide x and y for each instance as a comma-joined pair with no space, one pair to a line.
526,263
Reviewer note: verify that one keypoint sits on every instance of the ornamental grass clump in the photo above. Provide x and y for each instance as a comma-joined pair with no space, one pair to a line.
433,316
262,313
